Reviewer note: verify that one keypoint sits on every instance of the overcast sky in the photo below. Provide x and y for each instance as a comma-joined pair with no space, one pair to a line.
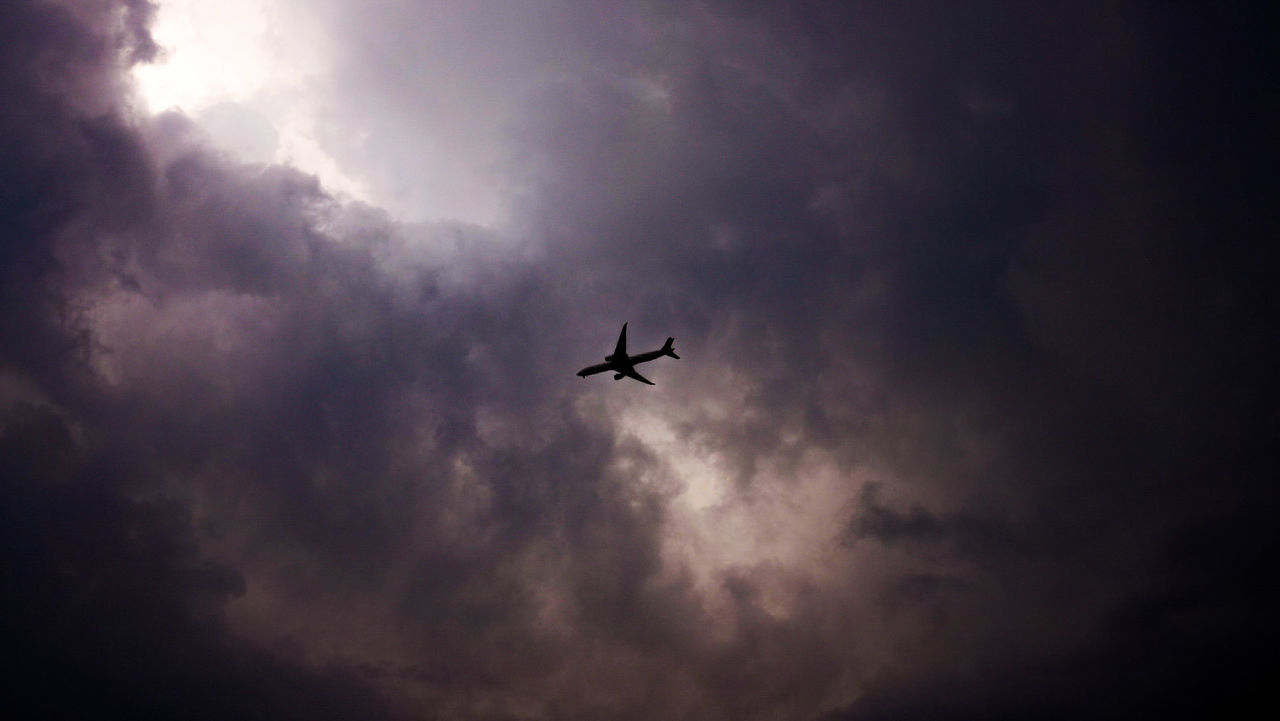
974,416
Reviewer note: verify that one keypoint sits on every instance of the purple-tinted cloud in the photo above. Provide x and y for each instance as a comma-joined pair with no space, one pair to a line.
973,416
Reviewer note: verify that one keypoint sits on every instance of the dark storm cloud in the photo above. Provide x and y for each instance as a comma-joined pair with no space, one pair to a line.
972,213
954,250
973,534
304,385
109,607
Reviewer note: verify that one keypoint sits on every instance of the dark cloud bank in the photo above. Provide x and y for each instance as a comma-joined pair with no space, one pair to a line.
1005,268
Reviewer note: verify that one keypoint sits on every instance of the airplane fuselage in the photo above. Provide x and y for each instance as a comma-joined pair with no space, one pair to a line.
616,365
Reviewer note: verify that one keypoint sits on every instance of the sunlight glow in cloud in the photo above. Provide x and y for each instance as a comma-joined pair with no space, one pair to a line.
212,53
244,71
790,517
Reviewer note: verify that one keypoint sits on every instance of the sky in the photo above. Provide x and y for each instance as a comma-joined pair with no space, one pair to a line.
974,414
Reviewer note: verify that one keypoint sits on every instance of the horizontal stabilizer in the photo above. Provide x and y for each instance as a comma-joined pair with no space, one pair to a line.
667,349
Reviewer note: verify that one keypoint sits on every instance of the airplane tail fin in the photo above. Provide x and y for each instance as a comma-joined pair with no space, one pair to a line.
668,350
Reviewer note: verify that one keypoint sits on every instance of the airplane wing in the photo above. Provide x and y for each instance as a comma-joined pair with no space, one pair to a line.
631,373
621,350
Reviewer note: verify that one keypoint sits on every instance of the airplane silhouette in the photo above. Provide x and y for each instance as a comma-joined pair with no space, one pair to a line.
624,365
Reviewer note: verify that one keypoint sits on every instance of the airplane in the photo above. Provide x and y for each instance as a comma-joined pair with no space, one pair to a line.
624,365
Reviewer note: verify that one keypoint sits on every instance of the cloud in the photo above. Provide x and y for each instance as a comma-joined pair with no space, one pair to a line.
964,425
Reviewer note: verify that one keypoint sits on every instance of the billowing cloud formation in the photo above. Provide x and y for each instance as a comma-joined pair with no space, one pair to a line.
973,418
